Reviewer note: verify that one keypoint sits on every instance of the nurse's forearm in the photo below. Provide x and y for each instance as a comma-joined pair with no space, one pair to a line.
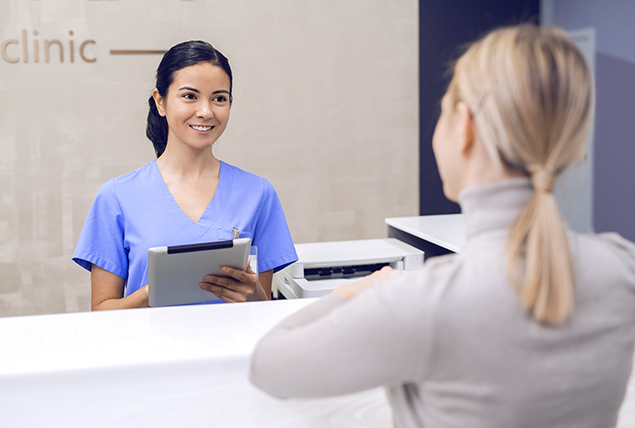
138,299
107,292
266,278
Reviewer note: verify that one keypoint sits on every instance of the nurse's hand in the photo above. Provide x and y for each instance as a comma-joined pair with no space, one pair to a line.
237,286
349,291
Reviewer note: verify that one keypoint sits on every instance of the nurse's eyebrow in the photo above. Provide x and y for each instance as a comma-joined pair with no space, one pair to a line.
187,88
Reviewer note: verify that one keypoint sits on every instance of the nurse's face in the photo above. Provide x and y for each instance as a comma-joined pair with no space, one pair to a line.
196,106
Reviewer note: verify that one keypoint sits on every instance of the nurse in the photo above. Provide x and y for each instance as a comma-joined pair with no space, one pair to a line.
186,195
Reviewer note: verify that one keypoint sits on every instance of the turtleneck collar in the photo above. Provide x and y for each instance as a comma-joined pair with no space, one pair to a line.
494,205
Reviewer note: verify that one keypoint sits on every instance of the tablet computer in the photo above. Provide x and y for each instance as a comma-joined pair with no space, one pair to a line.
175,272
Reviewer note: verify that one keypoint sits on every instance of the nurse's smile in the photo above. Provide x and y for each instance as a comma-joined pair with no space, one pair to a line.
201,129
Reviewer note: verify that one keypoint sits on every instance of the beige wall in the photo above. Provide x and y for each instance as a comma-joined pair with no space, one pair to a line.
326,108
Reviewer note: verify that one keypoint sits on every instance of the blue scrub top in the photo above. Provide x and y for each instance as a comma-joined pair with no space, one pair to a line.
136,211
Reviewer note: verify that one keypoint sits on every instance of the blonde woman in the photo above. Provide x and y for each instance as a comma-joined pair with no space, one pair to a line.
531,325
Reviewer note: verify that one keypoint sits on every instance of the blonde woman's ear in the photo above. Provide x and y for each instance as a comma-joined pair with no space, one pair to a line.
158,100
465,127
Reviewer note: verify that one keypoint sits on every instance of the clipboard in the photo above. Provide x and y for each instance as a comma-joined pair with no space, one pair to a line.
175,272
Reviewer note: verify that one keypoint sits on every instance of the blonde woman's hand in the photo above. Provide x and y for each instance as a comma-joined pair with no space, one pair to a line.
349,291
237,286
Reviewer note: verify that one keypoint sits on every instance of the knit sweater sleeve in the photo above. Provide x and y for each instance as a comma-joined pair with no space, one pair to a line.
335,346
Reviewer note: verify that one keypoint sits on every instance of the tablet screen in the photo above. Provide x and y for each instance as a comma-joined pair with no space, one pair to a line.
175,272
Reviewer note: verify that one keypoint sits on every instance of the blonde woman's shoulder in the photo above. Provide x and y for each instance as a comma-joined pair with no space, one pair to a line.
618,241
608,251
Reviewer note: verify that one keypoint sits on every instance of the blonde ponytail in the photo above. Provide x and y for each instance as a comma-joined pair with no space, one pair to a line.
530,93
539,239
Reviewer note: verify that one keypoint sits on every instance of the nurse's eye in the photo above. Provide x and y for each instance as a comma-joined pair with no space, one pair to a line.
189,96
220,99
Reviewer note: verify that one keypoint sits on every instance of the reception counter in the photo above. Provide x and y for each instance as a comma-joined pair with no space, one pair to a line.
434,234
160,367
164,367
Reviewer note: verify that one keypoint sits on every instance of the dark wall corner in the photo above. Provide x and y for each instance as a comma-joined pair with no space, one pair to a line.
444,27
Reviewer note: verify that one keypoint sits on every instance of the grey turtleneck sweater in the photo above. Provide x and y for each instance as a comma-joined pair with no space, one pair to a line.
453,346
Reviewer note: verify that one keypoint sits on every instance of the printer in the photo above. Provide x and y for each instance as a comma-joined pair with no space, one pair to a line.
322,266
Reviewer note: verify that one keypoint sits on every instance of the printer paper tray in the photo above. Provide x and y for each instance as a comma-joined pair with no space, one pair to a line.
337,272
301,288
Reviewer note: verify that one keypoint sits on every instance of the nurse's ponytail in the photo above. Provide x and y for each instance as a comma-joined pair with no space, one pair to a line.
157,128
531,97
179,56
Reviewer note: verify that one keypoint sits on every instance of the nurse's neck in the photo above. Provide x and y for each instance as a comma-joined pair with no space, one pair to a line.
188,162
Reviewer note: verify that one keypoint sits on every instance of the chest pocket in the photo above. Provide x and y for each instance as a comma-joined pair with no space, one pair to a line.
225,234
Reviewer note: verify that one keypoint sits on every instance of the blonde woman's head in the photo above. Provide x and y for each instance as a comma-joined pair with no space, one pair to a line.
530,96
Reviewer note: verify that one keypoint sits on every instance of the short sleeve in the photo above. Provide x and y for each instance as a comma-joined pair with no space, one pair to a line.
101,241
272,236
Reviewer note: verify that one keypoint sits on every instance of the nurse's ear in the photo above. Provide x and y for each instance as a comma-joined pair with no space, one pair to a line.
159,101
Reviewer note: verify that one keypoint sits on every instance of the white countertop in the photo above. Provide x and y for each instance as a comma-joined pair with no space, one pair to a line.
446,230
161,367
164,367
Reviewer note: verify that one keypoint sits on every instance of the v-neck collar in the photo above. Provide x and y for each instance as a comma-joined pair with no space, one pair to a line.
196,230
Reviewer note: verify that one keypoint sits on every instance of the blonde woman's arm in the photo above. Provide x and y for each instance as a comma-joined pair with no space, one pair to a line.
337,346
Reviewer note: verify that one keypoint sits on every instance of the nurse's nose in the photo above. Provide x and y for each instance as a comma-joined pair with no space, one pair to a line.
205,110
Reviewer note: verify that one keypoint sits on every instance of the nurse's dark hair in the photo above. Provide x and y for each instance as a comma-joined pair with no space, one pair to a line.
178,57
